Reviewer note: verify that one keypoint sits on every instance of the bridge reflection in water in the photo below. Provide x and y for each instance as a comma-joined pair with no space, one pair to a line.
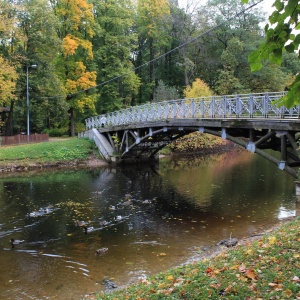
253,121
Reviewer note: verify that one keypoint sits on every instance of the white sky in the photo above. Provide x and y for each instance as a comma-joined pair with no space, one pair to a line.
266,4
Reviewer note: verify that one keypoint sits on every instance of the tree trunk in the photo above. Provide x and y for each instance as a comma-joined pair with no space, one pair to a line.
72,125
9,121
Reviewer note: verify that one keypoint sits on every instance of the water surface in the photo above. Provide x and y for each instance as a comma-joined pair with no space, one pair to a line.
149,219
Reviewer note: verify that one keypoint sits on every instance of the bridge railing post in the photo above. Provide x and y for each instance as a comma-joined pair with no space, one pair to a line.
202,108
224,106
174,110
212,108
251,106
238,109
184,109
266,106
193,108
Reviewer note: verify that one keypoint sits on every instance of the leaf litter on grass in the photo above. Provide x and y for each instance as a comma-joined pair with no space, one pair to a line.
267,268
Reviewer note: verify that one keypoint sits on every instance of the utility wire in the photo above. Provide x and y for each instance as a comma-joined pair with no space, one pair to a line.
158,57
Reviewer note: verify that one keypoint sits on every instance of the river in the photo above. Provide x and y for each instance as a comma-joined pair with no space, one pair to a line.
143,219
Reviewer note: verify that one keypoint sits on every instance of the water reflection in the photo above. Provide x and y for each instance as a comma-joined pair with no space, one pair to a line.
148,219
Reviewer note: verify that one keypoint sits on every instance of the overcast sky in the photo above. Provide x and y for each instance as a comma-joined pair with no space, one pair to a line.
266,4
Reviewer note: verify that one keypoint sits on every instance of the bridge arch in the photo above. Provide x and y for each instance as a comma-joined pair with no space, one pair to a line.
251,121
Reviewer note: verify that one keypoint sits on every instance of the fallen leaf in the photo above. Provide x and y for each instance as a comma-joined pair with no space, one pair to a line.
162,285
287,293
251,274
235,267
242,268
296,279
166,292
272,240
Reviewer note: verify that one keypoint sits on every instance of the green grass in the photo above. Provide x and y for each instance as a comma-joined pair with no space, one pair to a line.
63,150
268,268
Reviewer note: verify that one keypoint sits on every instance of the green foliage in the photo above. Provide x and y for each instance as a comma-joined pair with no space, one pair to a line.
56,132
280,37
164,92
81,44
114,43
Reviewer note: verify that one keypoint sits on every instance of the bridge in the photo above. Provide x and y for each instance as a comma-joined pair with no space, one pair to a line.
253,121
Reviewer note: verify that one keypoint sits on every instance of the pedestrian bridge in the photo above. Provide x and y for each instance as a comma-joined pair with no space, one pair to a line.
253,121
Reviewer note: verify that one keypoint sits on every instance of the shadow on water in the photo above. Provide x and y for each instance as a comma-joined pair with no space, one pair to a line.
140,220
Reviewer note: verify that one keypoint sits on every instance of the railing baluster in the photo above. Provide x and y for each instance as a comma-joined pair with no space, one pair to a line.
251,103
255,106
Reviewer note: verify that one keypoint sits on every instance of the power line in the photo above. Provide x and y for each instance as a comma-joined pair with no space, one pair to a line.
158,57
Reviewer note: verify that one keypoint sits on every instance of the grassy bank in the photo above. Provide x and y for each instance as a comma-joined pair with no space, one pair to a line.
53,151
267,268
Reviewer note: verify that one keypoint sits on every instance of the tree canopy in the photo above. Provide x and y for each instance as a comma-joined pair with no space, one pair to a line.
97,56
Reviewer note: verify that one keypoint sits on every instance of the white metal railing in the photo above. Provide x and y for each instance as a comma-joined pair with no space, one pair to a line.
241,106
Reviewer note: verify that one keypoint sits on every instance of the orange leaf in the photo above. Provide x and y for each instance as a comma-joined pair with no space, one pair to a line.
251,274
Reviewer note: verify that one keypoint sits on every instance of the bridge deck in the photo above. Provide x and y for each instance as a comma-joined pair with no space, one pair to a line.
252,121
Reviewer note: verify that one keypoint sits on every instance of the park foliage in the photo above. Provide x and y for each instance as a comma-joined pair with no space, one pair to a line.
95,57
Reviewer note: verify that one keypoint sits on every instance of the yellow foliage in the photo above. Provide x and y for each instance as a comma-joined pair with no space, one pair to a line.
272,240
71,44
151,11
75,13
8,78
83,80
198,89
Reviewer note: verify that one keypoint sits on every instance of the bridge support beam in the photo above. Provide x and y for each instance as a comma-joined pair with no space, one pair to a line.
142,141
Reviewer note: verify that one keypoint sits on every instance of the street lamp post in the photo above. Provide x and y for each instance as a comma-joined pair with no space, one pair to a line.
27,93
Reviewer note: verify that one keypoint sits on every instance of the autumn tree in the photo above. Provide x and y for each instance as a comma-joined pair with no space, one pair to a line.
8,78
198,89
8,74
36,43
75,63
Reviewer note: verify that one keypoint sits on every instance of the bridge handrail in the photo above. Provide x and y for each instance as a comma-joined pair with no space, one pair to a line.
258,105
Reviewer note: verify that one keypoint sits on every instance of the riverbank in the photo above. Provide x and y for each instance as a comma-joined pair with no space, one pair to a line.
55,154
72,153
260,267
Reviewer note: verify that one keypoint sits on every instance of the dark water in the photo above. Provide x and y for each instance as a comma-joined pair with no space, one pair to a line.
149,219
